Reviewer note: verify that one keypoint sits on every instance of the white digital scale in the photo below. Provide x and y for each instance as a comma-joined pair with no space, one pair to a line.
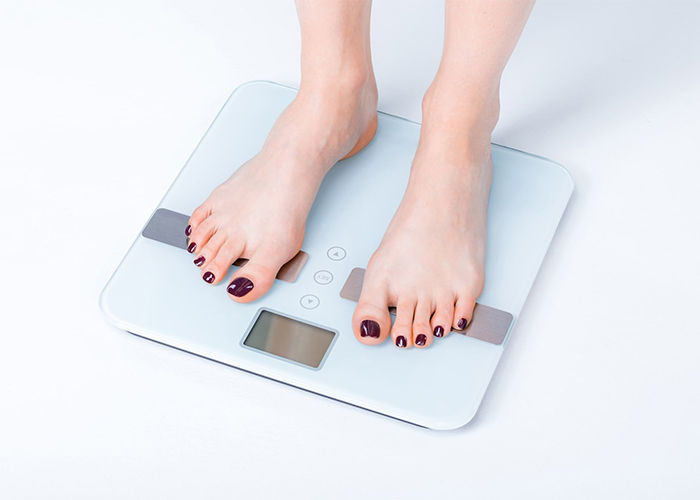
300,332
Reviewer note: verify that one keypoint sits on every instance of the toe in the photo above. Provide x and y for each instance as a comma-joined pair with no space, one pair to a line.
201,235
256,277
206,254
464,308
422,334
371,321
198,216
402,331
441,322
219,254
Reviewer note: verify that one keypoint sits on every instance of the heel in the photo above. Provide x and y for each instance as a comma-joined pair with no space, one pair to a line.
364,139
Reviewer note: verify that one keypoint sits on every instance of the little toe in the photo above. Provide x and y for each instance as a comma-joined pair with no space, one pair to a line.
402,331
216,266
371,321
255,278
464,309
441,321
422,334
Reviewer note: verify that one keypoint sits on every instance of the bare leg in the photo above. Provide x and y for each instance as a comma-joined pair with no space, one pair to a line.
260,212
430,263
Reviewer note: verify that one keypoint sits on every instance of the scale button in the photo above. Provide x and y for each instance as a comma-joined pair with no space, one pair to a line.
336,253
309,302
323,277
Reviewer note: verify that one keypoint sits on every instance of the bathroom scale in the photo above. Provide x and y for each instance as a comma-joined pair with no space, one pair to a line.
300,332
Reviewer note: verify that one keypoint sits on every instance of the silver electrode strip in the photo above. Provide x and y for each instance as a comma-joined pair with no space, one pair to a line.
488,323
168,227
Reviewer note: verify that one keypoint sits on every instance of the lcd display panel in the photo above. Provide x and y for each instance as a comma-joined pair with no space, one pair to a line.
290,339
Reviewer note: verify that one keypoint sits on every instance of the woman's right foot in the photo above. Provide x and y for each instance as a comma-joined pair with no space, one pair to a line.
260,212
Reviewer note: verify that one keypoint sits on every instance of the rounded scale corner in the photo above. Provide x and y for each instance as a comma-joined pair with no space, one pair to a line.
257,83
103,302
565,170
450,422
559,166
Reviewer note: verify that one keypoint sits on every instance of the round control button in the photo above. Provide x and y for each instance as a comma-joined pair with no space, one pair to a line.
309,302
336,253
323,277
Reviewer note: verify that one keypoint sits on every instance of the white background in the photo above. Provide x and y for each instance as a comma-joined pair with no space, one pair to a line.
597,393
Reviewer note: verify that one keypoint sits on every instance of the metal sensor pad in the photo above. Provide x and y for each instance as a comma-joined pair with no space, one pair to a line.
168,227
488,323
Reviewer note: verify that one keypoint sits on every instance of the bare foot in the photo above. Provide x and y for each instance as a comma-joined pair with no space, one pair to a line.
260,212
430,263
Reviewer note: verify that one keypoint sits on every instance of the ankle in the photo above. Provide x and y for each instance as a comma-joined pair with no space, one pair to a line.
349,100
350,78
459,108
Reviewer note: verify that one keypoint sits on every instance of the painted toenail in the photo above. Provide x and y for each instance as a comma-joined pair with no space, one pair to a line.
199,261
192,247
420,339
188,230
209,277
369,328
240,287
439,331
462,324
401,341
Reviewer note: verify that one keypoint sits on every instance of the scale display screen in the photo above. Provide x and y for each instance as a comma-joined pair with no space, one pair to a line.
289,339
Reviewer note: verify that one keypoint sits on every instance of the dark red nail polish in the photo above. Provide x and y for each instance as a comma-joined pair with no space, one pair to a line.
199,261
192,247
401,341
420,339
240,287
188,230
439,331
369,328
209,277
462,324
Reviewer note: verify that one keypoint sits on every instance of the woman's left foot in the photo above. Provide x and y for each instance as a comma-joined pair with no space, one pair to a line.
430,263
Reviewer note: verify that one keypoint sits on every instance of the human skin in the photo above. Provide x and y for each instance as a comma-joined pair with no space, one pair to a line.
430,262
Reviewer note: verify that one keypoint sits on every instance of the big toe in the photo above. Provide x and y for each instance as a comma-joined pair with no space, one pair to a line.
255,278
371,322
